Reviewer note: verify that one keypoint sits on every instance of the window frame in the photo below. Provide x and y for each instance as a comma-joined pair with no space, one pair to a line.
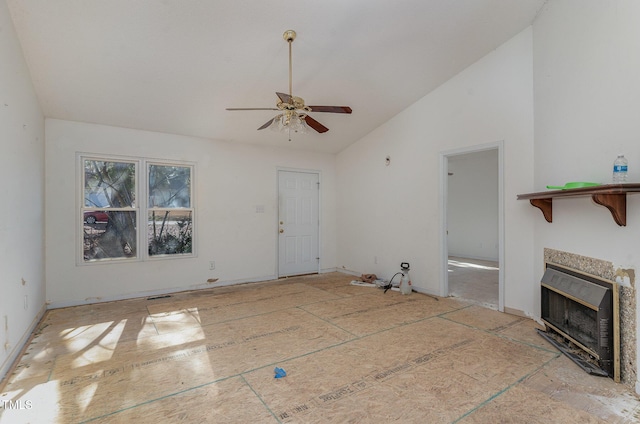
141,208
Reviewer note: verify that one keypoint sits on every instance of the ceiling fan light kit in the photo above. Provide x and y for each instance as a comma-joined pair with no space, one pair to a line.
294,113
289,123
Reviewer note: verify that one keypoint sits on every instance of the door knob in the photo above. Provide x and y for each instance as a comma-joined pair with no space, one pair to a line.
281,230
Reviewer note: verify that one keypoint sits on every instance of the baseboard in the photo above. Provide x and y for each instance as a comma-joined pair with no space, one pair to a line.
15,354
516,312
328,270
348,271
153,293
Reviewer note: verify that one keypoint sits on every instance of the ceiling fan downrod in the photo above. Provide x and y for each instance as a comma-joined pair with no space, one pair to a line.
289,36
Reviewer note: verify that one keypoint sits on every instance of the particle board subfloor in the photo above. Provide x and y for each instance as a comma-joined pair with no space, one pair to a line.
351,353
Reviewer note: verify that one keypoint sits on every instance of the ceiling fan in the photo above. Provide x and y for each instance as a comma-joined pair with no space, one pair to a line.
294,113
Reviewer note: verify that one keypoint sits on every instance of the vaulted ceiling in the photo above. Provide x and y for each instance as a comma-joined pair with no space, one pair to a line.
173,66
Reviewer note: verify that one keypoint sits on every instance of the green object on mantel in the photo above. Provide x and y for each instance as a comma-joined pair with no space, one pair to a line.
568,186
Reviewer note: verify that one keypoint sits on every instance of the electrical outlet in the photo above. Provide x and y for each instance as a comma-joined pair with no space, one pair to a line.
375,259
212,264
26,301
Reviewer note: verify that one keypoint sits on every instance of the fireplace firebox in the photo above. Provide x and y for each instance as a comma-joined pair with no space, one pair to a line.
581,316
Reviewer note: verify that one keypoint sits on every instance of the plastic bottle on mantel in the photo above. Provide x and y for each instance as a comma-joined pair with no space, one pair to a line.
620,169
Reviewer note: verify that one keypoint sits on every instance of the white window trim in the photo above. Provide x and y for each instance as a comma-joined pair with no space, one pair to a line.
141,207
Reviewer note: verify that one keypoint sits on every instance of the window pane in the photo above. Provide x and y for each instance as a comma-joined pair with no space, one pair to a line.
170,232
109,184
169,186
109,235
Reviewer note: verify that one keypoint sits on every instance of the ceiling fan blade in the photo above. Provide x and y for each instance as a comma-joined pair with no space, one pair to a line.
266,124
252,108
315,124
284,97
333,109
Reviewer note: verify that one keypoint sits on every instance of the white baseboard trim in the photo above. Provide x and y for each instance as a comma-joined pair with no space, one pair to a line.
349,272
153,293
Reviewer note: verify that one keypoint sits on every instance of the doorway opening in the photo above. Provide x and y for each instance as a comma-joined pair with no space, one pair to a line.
472,221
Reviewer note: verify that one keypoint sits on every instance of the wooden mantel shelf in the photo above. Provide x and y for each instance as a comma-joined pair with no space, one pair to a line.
611,196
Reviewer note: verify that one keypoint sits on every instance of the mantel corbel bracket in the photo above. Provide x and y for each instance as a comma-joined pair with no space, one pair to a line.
617,205
546,206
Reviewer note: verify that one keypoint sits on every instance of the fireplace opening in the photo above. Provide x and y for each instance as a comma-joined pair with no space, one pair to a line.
580,313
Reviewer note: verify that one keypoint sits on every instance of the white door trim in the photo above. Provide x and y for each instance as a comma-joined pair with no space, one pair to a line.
443,198
277,214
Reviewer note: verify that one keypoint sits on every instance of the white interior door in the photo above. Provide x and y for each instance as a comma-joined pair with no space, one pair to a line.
298,223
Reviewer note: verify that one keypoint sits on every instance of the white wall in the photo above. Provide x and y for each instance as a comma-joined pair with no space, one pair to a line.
472,207
587,105
231,180
391,213
22,194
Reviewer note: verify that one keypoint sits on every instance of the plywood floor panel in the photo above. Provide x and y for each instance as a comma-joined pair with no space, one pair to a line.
170,316
352,354
484,318
228,401
520,405
377,311
398,384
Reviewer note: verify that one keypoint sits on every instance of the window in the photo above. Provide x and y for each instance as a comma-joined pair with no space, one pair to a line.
169,213
109,210
112,214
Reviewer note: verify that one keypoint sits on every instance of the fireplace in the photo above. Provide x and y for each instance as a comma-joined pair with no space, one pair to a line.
581,316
